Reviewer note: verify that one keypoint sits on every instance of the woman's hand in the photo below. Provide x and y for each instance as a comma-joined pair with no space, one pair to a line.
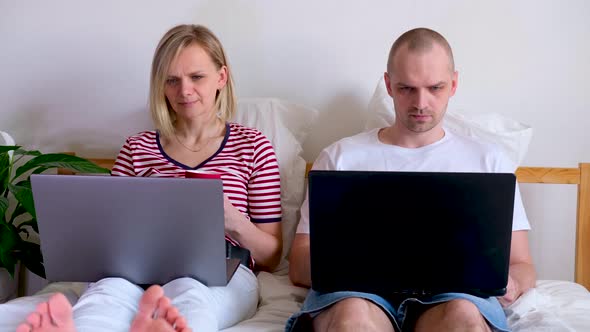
233,217
264,240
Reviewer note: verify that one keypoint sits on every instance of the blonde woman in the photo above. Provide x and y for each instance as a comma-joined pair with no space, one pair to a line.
191,101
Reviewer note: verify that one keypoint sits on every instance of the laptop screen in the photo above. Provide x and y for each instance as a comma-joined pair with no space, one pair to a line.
146,230
410,232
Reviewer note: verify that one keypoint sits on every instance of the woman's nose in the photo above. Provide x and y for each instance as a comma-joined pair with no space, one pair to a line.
186,87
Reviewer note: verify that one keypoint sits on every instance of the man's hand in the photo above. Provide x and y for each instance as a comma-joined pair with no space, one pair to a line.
521,275
512,293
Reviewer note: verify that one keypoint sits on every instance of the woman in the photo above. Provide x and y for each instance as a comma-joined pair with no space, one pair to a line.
191,100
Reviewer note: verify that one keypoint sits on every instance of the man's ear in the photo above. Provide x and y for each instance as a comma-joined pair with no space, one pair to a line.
388,84
454,82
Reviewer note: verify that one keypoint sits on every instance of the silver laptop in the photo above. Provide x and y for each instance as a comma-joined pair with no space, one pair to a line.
146,230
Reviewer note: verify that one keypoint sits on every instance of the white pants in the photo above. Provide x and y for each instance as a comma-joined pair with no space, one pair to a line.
111,304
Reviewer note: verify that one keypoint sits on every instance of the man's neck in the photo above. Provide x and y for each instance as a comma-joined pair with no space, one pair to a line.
409,139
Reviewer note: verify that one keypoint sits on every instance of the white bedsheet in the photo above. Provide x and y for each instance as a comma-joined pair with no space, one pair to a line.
552,306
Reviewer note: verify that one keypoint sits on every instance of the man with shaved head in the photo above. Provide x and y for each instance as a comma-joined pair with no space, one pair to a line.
420,79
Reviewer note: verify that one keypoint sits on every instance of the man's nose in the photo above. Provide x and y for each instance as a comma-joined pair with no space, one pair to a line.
421,99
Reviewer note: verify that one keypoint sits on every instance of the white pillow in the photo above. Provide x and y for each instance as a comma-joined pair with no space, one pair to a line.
286,125
510,134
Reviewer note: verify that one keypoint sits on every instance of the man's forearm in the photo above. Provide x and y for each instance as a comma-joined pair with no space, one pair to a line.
524,275
299,265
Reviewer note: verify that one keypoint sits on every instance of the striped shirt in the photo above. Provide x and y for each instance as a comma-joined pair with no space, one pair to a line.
245,160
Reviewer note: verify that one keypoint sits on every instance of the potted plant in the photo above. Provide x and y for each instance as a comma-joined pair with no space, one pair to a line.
18,222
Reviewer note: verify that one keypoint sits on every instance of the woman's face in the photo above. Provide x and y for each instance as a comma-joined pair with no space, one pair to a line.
192,83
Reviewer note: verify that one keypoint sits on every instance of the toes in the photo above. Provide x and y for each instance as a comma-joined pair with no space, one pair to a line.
149,301
43,311
34,319
24,328
148,309
180,324
60,310
172,315
162,309
156,309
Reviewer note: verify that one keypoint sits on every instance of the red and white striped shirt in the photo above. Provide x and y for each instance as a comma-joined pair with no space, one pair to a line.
245,160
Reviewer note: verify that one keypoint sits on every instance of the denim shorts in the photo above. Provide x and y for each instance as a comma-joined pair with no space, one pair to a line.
315,302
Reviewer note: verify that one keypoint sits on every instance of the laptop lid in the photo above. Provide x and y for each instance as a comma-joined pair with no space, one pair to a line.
410,232
146,230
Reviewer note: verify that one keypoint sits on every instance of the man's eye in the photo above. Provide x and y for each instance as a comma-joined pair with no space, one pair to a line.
196,77
405,89
436,88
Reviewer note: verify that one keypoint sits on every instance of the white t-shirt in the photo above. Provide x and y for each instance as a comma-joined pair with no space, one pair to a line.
453,153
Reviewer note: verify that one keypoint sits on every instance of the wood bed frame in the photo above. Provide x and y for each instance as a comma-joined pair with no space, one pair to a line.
579,176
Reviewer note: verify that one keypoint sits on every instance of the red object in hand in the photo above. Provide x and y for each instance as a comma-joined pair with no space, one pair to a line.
201,175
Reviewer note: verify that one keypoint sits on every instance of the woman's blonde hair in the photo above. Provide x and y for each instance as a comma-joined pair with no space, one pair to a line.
169,47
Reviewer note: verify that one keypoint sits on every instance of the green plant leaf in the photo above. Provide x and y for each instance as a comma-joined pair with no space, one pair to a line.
9,241
23,152
23,193
30,255
3,208
53,160
6,148
32,223
4,171
40,170
8,262
24,230
18,210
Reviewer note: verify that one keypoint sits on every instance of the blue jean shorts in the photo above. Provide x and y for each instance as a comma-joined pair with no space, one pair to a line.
315,302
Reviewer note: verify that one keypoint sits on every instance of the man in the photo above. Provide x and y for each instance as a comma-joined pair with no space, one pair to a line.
420,78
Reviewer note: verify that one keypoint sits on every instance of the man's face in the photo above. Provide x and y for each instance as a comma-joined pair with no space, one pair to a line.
421,84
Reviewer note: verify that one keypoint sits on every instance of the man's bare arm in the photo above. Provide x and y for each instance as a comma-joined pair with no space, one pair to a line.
299,270
522,275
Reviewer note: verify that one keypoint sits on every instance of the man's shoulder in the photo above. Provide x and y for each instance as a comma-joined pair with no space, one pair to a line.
361,139
341,153
472,143
480,150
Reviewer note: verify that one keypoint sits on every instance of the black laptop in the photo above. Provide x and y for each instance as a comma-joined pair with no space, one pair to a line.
414,233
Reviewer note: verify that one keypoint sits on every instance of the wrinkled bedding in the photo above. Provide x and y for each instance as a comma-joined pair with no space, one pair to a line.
551,306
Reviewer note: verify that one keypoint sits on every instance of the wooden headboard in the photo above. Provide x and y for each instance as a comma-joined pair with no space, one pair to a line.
579,176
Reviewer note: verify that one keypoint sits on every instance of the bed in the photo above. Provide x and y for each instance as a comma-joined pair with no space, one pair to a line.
552,306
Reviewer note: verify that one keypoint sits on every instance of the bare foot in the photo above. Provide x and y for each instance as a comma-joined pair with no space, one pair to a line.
55,315
156,314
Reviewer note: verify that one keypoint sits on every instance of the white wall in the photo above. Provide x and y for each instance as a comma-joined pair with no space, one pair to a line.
75,73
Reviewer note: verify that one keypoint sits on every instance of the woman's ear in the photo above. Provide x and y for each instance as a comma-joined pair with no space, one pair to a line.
223,75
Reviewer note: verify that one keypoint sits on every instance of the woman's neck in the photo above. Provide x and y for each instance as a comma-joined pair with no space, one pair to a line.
197,130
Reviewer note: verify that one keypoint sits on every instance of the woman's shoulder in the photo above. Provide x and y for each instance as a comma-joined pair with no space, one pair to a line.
146,136
240,131
145,140
143,135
